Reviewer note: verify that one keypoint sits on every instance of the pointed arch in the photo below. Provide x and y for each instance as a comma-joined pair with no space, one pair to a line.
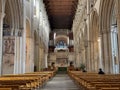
94,25
105,13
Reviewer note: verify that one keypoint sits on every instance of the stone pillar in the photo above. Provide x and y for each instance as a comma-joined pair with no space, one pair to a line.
78,59
85,57
17,59
36,56
23,41
92,56
88,57
46,60
40,58
100,52
1,38
21,57
90,53
43,58
31,55
84,61
23,52
106,52
88,35
110,68
118,26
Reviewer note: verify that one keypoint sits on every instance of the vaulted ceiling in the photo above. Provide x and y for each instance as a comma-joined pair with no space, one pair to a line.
61,13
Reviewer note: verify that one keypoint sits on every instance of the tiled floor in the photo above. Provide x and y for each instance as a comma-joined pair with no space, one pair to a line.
60,82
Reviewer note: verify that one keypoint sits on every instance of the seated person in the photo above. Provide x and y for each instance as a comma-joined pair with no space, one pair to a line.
84,70
71,67
100,71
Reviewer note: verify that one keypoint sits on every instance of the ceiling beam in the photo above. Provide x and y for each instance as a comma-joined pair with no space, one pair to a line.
60,7
59,0
61,13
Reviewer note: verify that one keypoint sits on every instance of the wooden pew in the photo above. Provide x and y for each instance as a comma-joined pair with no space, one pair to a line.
111,88
11,87
93,81
28,82
5,89
25,81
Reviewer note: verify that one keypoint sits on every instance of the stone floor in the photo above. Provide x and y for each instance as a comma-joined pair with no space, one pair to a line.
60,82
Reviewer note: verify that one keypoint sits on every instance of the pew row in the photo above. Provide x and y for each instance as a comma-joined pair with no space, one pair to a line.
27,81
94,81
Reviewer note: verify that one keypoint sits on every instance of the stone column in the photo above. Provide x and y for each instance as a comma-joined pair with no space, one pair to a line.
88,56
84,61
40,58
88,48
90,53
100,52
17,59
92,56
1,38
36,57
46,60
23,41
21,62
110,68
118,26
43,58
31,54
106,52
78,59
88,39
95,56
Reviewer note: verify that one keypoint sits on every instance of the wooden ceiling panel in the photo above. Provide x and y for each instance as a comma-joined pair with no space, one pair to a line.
61,13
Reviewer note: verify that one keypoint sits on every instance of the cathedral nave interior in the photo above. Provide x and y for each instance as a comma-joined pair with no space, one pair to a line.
59,44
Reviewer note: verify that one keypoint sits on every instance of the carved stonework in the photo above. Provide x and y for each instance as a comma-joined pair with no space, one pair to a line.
20,33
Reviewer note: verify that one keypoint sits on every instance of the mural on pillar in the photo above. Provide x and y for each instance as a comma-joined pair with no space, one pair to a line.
27,54
8,55
28,45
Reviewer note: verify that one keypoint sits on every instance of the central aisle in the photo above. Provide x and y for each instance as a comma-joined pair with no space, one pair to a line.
60,82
